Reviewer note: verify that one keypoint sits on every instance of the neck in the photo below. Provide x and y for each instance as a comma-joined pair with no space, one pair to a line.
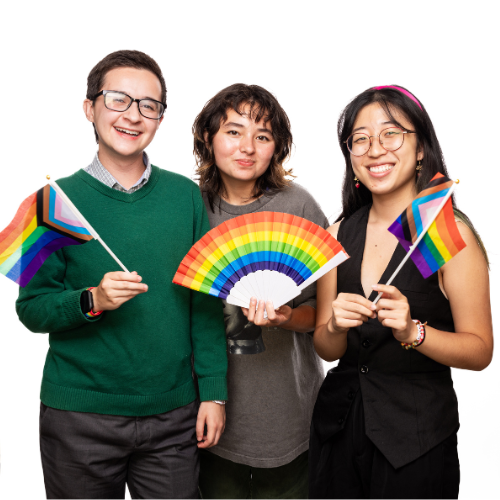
127,171
387,208
238,192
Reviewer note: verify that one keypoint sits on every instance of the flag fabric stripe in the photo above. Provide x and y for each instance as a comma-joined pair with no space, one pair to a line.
26,205
17,226
442,240
74,226
46,216
442,228
18,249
43,224
22,257
41,256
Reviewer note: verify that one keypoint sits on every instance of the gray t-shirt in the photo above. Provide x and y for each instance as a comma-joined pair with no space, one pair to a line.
271,393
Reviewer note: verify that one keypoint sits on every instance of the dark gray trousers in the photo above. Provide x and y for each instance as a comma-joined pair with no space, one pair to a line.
88,455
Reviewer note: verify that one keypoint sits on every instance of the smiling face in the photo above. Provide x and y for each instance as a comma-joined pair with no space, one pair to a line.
123,136
384,172
243,149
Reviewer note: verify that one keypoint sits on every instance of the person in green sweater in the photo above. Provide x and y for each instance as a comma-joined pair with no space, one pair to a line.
118,401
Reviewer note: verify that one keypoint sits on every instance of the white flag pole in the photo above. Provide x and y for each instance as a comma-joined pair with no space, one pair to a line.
84,221
422,234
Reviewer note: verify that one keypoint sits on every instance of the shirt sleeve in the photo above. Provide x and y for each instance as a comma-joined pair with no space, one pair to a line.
45,306
207,326
313,212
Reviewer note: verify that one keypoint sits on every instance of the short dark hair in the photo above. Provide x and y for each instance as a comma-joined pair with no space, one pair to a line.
263,105
122,59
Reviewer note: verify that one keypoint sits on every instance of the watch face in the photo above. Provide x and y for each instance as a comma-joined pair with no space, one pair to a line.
86,302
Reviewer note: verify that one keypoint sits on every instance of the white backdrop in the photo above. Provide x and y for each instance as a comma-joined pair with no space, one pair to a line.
315,57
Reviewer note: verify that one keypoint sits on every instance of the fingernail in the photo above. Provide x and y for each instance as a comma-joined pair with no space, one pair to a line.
145,288
375,287
373,307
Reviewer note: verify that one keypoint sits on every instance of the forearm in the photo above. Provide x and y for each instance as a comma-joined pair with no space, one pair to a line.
456,349
208,338
330,345
51,312
302,320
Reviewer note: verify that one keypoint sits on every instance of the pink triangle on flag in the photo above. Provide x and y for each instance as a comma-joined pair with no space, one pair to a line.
428,209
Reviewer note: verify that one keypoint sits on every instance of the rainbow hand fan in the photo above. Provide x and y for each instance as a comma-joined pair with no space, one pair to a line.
268,255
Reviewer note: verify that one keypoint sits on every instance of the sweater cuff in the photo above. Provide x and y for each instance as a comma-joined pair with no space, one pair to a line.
212,388
72,310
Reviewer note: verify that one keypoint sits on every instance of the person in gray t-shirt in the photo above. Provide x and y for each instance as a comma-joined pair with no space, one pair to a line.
241,140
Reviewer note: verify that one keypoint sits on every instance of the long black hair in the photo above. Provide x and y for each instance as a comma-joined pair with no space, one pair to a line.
394,98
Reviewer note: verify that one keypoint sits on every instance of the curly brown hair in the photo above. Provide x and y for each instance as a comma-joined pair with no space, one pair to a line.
262,105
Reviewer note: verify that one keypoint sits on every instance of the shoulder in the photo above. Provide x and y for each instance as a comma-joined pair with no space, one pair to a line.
334,229
297,191
297,200
177,179
72,179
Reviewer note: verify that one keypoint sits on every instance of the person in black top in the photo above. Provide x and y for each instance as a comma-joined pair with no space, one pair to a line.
386,419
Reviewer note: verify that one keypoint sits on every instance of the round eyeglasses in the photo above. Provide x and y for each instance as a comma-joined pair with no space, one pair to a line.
118,101
391,139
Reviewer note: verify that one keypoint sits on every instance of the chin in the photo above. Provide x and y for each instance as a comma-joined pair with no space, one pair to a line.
127,151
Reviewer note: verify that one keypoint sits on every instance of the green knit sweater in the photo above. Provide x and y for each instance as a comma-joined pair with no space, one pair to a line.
135,360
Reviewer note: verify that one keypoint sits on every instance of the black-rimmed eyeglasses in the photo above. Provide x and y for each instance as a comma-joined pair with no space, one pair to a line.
118,101
391,139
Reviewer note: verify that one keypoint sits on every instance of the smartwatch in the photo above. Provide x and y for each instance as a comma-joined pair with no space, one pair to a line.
86,301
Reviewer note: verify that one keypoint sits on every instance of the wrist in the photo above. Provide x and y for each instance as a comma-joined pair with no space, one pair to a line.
287,321
336,331
95,310
411,334
417,338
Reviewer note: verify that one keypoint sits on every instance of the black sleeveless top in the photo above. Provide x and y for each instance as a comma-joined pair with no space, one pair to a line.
409,402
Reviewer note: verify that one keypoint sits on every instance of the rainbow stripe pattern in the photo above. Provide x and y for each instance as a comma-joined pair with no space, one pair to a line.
289,246
442,241
43,224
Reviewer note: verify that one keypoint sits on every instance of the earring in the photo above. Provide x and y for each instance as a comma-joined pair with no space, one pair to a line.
356,180
419,167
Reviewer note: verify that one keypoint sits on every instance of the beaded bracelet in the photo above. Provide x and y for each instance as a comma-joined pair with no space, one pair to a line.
420,336
92,314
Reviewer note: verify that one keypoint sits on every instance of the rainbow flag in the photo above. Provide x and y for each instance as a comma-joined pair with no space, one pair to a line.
442,241
43,224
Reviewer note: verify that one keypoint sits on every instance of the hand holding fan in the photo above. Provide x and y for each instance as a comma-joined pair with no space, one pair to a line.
268,255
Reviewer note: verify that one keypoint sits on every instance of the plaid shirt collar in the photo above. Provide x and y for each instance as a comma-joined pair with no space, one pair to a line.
99,172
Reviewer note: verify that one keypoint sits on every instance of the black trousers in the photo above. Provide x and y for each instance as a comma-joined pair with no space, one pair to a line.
88,455
348,465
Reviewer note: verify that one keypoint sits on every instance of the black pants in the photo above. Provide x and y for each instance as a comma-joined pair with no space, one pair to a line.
222,478
88,455
348,465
